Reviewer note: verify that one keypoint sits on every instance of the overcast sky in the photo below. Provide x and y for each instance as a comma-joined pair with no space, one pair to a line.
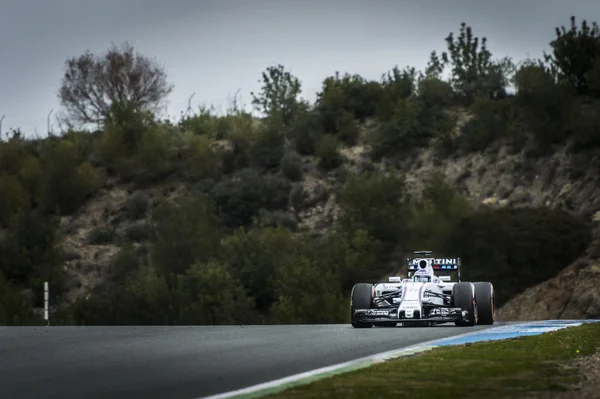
214,48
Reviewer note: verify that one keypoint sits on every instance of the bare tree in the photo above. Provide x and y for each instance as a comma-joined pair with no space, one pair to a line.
91,84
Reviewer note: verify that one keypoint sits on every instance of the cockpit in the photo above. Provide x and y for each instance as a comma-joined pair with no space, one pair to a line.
422,278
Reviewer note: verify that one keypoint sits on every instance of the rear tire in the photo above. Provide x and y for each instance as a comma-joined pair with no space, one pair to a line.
362,298
463,297
486,303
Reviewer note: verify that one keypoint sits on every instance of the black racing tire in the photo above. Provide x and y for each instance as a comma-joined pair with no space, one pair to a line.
361,298
486,303
463,297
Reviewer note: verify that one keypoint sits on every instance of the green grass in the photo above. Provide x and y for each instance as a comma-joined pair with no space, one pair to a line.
497,369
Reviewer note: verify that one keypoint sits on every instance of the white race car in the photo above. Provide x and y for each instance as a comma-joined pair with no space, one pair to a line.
423,298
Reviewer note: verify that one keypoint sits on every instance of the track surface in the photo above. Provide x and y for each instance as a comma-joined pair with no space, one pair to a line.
181,362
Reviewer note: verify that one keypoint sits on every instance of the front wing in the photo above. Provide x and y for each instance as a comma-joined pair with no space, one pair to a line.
440,315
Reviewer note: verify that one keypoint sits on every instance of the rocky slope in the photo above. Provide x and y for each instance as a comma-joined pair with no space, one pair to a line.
572,294
495,179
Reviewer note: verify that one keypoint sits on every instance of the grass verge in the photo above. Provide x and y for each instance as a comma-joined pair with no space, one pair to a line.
494,369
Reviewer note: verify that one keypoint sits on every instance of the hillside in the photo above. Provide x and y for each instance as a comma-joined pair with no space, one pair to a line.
237,219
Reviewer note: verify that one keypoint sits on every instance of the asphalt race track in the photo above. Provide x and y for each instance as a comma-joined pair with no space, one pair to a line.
181,362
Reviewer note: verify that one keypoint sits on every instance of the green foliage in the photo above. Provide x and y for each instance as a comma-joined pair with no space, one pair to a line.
347,129
67,179
586,128
14,309
305,132
256,256
269,147
328,152
279,94
412,126
240,198
208,293
574,54
436,216
473,72
137,205
396,85
546,106
14,198
517,248
291,167
377,204
201,162
490,123
435,92
29,253
350,93
307,291
358,256
186,231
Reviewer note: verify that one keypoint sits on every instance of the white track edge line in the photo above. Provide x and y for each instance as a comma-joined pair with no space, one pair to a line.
375,358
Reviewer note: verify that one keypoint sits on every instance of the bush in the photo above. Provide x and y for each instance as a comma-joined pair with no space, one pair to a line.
209,293
137,206
401,134
139,231
347,128
305,132
240,198
268,149
14,198
256,255
291,167
185,231
546,106
517,248
377,204
490,123
200,160
67,181
328,152
350,93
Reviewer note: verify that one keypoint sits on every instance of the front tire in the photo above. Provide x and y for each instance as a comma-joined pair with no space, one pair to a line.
486,303
463,297
361,298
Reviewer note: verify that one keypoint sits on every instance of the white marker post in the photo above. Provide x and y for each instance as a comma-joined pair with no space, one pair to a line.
46,300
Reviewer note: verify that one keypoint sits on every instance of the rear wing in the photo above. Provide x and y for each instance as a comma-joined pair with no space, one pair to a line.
439,264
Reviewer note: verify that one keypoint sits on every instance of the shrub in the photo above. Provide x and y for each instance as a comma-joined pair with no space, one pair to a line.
185,231
240,197
291,167
489,124
137,205
268,149
517,248
328,152
305,132
100,236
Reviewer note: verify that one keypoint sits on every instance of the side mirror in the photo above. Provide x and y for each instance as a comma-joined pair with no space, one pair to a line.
445,278
395,280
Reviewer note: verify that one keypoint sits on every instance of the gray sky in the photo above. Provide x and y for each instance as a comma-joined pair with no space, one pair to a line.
215,47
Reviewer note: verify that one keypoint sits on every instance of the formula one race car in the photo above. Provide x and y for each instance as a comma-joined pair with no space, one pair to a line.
424,298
